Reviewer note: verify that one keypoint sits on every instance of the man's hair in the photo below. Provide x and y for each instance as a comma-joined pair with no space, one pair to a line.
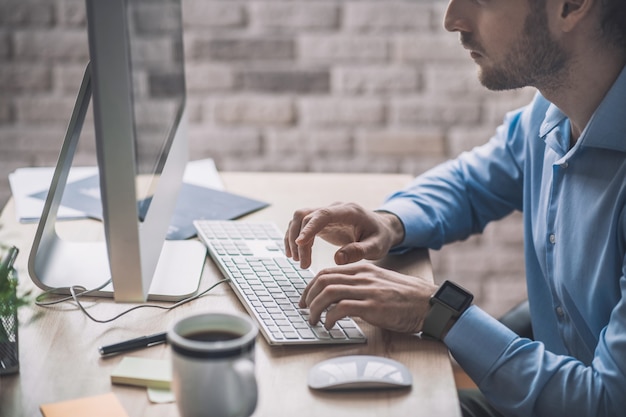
613,23
612,20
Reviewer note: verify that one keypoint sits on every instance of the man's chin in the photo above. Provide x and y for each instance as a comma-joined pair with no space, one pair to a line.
496,82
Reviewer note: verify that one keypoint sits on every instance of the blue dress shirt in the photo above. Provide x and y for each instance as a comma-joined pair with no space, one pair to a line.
574,209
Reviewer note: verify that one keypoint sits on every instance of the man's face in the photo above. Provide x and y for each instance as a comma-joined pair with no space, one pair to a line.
510,42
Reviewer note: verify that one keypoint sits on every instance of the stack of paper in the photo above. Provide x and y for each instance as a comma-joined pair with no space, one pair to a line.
201,197
154,374
143,372
27,182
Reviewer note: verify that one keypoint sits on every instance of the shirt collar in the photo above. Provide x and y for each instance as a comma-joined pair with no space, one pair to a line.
555,130
553,118
607,127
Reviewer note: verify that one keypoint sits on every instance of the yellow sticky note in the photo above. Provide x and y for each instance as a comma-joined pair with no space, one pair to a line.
160,396
106,405
143,372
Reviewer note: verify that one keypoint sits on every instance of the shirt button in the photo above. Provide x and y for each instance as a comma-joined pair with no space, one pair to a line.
553,238
564,165
560,312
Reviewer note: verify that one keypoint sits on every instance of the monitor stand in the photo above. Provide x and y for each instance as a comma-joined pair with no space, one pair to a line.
86,265
56,263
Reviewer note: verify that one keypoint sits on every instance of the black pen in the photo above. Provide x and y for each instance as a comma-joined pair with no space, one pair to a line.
137,343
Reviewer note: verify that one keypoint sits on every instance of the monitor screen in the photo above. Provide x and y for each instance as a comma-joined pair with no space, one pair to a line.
155,48
136,80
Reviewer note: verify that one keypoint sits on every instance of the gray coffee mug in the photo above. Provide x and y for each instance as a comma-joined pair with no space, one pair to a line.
213,365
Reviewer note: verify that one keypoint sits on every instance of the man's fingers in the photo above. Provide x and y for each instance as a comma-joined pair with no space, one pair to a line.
350,253
329,290
287,241
294,230
312,224
344,308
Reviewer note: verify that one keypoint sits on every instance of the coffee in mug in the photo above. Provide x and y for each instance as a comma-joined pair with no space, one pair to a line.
213,365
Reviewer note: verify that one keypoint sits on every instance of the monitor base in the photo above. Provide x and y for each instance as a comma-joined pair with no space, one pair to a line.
85,264
179,270
177,274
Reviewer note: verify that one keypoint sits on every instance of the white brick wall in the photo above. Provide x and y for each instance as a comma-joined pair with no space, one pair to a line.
341,112
391,17
298,16
332,85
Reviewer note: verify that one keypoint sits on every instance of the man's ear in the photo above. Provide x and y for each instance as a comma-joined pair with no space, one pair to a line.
573,11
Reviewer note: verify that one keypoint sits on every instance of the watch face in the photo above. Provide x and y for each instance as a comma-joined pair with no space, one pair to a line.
453,296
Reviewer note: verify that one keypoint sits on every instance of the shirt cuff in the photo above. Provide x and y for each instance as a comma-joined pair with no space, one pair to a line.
476,341
418,226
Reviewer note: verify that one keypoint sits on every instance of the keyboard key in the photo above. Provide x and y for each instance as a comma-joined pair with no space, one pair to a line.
353,333
321,332
306,333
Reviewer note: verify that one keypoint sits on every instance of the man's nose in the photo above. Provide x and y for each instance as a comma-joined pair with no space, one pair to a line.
455,19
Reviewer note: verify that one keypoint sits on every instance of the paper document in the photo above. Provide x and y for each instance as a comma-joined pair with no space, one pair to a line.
201,197
29,187
25,182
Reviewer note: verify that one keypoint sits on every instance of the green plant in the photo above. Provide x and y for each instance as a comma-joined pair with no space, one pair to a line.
9,301
9,304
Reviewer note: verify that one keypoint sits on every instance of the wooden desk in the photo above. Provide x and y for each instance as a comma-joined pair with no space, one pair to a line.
58,347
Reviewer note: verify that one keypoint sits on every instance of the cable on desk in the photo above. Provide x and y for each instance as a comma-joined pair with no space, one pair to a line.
40,300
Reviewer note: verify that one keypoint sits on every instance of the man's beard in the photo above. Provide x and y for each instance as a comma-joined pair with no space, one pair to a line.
535,59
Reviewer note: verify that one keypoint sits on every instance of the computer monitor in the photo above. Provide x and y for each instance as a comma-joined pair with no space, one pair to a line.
136,78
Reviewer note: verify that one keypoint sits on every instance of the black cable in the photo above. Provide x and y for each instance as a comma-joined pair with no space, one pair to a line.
40,299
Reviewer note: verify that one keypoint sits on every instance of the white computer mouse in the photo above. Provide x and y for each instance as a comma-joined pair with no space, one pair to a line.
359,372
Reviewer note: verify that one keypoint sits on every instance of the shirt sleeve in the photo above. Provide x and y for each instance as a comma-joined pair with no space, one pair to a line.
521,378
458,198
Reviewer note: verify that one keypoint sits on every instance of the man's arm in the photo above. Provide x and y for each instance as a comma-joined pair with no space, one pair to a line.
460,197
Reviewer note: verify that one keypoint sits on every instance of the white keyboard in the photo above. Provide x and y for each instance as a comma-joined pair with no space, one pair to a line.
269,284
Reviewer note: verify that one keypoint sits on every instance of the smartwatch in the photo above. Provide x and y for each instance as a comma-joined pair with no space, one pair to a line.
447,304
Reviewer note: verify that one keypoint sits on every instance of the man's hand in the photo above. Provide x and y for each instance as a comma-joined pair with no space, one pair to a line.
360,233
379,296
